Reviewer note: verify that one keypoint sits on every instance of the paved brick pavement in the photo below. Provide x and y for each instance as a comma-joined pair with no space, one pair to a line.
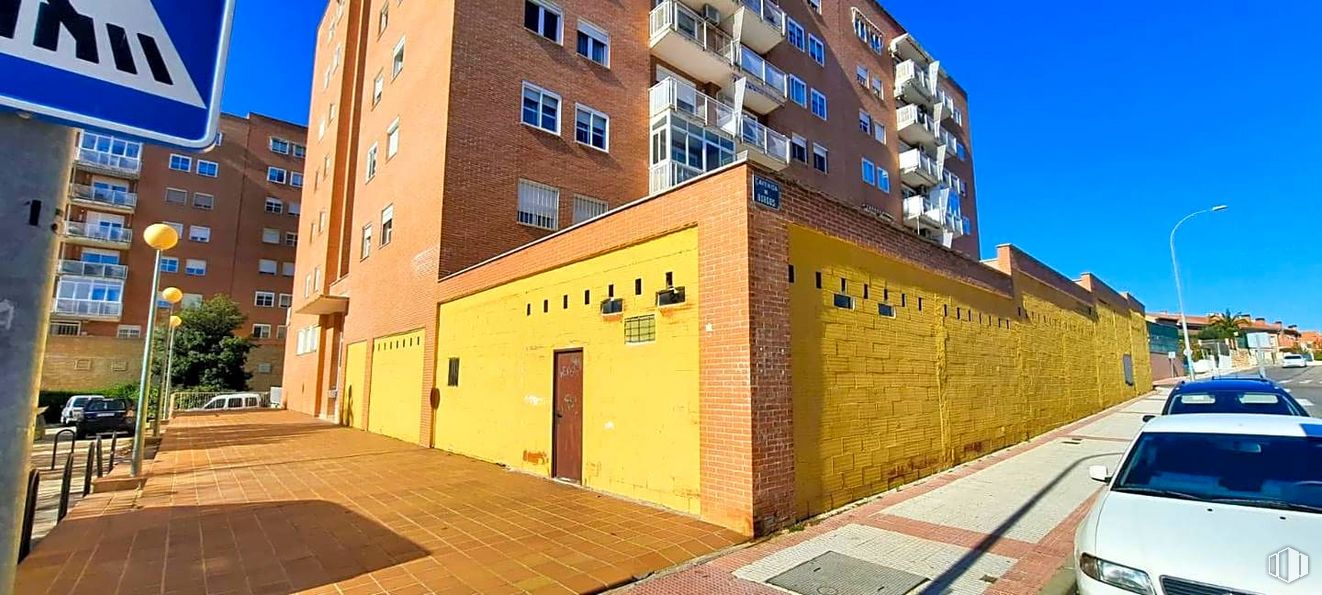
276,502
1001,525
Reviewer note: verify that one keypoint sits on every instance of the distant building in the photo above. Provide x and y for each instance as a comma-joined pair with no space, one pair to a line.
1164,350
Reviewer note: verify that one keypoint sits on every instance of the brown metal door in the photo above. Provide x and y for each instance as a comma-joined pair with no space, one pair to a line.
567,421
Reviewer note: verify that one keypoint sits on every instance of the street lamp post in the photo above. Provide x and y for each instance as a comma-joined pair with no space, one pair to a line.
173,296
160,237
166,405
1179,290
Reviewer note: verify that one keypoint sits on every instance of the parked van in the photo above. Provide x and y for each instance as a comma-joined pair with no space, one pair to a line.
232,402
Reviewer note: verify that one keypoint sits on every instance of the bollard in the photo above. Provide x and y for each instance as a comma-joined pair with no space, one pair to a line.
100,468
55,449
29,514
66,483
113,439
87,471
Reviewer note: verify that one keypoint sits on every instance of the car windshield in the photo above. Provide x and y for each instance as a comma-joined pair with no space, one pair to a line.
1230,402
1263,471
107,405
78,401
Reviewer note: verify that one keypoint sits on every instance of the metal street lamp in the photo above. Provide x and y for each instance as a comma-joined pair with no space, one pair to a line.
160,237
173,296
166,405
1179,291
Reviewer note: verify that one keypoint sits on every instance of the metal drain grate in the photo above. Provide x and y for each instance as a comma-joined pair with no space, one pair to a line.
834,573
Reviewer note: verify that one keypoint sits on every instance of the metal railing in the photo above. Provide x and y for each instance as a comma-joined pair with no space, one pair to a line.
684,98
760,69
670,15
106,196
911,114
87,308
917,160
670,173
195,401
79,229
765,140
93,269
109,161
909,71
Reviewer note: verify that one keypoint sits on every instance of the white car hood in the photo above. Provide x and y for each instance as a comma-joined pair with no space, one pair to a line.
1215,544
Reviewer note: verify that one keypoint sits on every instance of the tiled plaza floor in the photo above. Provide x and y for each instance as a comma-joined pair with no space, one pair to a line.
276,502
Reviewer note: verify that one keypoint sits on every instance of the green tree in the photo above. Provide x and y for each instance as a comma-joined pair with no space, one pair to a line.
208,355
1225,326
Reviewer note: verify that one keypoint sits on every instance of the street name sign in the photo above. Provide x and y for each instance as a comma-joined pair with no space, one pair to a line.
151,69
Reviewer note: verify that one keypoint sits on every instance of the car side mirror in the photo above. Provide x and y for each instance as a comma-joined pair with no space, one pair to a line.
1148,418
1099,473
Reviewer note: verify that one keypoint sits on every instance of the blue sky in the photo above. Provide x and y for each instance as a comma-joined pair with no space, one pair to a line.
1095,128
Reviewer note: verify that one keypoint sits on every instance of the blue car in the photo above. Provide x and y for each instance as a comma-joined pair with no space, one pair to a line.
1232,395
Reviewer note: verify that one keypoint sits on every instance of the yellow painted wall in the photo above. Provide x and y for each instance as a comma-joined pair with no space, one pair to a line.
353,396
879,402
640,401
395,406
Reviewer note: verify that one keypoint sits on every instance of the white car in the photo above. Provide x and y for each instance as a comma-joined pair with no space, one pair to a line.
1217,504
1293,360
73,408
232,402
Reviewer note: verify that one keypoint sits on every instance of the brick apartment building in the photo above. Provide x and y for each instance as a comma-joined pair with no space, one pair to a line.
613,192
236,209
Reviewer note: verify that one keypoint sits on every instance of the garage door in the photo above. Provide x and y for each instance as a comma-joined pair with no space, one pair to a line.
355,386
395,404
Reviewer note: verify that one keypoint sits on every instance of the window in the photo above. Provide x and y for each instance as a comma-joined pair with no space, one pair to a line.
371,162
365,248
640,329
220,139
799,149
378,88
176,196
270,236
591,128
65,329
862,75
295,179
181,163
879,131
392,139
299,151
588,208
287,269
387,224
169,264
279,145
539,205
798,91
816,49
274,205
818,104
267,267
128,331
815,5
594,43
209,169
203,201
199,233
291,239
864,122
883,179
542,18
195,267
452,376
294,208
281,331
286,300
178,227
961,151
276,175
794,33
397,65
383,19
191,300
264,299
261,331
541,108
877,87
819,158
869,172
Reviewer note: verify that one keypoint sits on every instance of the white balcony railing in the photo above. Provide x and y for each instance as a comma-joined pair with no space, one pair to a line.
684,98
910,73
670,15
768,11
109,161
87,308
916,160
760,69
78,229
671,173
106,196
767,141
93,269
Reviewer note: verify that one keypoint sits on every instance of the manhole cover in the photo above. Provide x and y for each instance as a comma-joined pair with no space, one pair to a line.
834,573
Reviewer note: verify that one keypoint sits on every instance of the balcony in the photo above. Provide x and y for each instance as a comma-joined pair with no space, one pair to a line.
84,234
916,127
765,86
919,169
913,84
693,133
103,198
683,98
97,270
905,47
769,148
87,309
682,38
945,105
921,212
938,213
108,163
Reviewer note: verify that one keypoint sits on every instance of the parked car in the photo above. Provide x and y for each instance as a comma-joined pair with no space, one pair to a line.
1200,503
1293,360
73,408
232,402
1231,395
105,415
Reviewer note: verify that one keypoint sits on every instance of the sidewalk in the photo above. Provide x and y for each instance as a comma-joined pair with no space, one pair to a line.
1001,525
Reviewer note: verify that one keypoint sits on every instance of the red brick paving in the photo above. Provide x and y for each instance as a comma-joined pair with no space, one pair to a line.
276,502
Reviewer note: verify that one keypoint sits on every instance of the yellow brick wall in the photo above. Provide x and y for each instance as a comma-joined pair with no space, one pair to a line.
393,408
353,397
90,363
640,401
879,402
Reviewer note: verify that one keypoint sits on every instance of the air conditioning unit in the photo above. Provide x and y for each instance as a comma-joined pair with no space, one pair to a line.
611,306
711,13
